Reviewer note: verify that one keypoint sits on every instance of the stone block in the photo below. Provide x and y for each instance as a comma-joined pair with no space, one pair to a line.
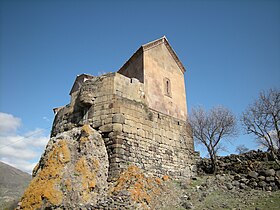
96,124
269,172
169,134
140,133
118,141
269,179
106,128
108,120
118,118
118,150
117,127
127,128
129,122
253,174
158,138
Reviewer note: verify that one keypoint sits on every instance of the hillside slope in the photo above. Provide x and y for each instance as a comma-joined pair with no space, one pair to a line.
12,185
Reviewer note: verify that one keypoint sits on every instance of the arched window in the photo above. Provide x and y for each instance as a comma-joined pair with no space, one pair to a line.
167,87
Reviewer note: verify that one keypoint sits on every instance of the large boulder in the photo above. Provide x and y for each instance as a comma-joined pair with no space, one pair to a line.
72,171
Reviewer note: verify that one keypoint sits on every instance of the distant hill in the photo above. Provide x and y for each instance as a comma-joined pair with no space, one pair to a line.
12,185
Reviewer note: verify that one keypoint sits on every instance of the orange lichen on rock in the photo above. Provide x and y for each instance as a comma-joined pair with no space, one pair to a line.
88,177
165,178
45,185
68,185
86,131
142,189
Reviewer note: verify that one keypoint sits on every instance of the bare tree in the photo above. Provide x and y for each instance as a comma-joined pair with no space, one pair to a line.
262,118
209,128
241,149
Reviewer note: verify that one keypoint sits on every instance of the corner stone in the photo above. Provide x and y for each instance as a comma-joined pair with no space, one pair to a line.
117,127
118,118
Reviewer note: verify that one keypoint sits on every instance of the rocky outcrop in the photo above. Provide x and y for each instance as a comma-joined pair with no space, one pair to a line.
72,171
73,174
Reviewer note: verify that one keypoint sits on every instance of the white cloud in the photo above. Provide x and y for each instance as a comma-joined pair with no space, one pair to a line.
8,123
20,151
46,119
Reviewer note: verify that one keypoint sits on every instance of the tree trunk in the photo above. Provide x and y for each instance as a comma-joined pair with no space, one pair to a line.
214,164
274,156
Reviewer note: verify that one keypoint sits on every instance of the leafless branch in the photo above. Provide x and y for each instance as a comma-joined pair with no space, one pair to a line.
210,128
262,119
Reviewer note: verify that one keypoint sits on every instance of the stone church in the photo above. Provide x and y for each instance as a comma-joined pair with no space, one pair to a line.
140,111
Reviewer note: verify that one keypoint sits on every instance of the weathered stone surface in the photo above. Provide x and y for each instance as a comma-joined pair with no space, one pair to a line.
262,184
106,128
73,170
118,118
229,186
269,179
278,174
117,127
269,172
253,174
261,178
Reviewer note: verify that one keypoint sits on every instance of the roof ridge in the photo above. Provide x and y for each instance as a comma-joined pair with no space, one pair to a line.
163,40
152,44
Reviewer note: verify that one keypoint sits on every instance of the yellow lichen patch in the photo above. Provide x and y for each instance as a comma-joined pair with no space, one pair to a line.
158,180
165,178
95,163
45,185
87,176
86,131
68,185
83,139
142,189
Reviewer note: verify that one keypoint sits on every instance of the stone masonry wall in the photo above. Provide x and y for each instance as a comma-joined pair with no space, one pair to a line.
116,106
159,65
153,141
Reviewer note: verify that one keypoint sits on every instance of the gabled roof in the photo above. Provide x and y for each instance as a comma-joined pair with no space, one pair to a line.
170,49
145,47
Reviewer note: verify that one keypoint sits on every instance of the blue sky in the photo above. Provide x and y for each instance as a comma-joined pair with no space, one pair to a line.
231,50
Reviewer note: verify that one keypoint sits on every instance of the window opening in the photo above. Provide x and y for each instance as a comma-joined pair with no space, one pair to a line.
167,87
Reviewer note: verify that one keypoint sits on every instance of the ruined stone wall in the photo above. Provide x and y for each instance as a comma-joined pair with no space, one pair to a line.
133,133
133,68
